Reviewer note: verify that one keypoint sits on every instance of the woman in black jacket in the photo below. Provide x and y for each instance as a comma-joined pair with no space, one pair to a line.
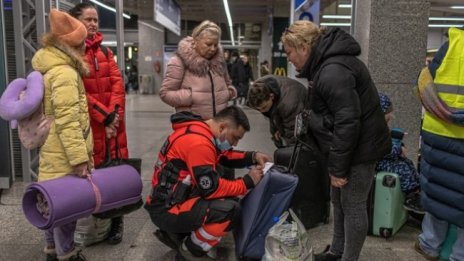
347,122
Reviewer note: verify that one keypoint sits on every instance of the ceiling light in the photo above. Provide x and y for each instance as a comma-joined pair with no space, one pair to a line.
344,6
109,8
457,7
229,20
336,24
336,16
446,25
446,18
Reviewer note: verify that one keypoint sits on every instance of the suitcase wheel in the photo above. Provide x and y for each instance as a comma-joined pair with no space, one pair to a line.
385,232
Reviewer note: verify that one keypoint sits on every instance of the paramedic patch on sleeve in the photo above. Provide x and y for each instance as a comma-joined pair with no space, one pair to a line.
205,182
207,179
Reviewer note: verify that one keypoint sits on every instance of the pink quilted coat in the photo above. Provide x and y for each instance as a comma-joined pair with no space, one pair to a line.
193,83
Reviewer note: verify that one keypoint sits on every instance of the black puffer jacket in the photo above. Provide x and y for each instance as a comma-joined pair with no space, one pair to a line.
290,98
346,119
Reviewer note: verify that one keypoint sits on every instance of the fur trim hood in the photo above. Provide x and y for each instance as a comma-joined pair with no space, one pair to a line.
195,63
57,53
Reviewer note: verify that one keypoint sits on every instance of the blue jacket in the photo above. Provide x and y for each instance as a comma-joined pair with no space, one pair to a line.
442,178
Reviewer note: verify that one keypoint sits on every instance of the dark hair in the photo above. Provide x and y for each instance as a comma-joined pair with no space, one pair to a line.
258,93
261,91
235,115
76,11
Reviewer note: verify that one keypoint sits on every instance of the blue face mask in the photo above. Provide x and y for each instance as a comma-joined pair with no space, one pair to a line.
222,145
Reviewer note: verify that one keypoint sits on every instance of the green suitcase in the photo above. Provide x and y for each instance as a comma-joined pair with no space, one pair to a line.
386,212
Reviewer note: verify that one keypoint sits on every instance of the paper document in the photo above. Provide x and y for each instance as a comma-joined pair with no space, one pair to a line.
267,166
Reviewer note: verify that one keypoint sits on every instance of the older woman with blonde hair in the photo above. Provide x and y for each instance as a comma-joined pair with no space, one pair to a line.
196,78
346,121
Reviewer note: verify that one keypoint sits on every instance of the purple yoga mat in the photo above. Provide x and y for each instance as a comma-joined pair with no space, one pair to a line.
70,198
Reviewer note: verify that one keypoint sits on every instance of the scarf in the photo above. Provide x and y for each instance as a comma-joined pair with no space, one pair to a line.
433,103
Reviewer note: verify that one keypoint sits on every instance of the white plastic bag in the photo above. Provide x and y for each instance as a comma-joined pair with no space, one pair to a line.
91,230
288,240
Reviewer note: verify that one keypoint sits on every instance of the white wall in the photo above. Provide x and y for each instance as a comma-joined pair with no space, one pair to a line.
436,37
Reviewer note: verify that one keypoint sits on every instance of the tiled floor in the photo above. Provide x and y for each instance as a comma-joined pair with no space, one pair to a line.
147,127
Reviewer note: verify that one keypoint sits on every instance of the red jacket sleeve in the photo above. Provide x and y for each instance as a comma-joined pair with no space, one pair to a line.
202,165
97,110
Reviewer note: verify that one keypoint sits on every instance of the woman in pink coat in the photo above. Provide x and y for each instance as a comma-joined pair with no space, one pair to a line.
196,78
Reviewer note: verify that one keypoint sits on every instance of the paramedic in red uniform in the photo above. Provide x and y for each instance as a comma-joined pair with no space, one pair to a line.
188,195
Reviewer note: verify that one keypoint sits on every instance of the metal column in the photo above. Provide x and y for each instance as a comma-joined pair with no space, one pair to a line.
6,164
120,35
29,22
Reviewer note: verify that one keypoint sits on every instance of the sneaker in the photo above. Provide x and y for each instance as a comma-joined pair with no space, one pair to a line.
419,250
413,204
116,231
169,239
74,255
326,255
78,257
184,254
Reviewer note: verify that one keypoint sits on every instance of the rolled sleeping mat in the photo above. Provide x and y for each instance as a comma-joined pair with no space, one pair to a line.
56,202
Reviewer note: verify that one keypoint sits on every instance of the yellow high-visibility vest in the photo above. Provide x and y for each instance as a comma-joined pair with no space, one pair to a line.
449,81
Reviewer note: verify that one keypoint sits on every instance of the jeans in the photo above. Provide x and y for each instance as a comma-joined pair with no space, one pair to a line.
62,238
433,235
350,212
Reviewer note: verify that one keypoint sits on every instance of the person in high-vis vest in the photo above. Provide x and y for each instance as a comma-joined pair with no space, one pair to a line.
441,89
190,203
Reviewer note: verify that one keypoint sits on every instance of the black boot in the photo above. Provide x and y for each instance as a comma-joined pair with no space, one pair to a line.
116,232
169,239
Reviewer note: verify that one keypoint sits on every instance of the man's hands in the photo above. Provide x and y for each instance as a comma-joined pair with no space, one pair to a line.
261,158
256,174
81,170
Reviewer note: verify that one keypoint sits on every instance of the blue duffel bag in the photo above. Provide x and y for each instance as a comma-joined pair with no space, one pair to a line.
261,209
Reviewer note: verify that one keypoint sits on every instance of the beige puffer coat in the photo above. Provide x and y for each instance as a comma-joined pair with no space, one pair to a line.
64,99
187,85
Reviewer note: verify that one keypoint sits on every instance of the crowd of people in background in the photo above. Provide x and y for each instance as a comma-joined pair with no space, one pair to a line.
85,93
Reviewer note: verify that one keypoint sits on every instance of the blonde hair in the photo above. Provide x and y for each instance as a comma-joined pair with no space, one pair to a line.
301,33
206,26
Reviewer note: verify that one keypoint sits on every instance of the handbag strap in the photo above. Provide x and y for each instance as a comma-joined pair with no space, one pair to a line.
96,191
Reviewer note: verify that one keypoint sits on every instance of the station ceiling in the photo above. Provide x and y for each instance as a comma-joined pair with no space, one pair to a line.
255,11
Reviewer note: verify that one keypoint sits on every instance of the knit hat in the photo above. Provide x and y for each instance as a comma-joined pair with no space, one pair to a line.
385,103
67,28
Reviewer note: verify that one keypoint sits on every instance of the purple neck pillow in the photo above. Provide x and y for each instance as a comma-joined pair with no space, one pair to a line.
16,106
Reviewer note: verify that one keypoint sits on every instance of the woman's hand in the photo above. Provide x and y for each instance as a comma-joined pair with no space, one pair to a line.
232,93
338,182
115,122
81,170
110,131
